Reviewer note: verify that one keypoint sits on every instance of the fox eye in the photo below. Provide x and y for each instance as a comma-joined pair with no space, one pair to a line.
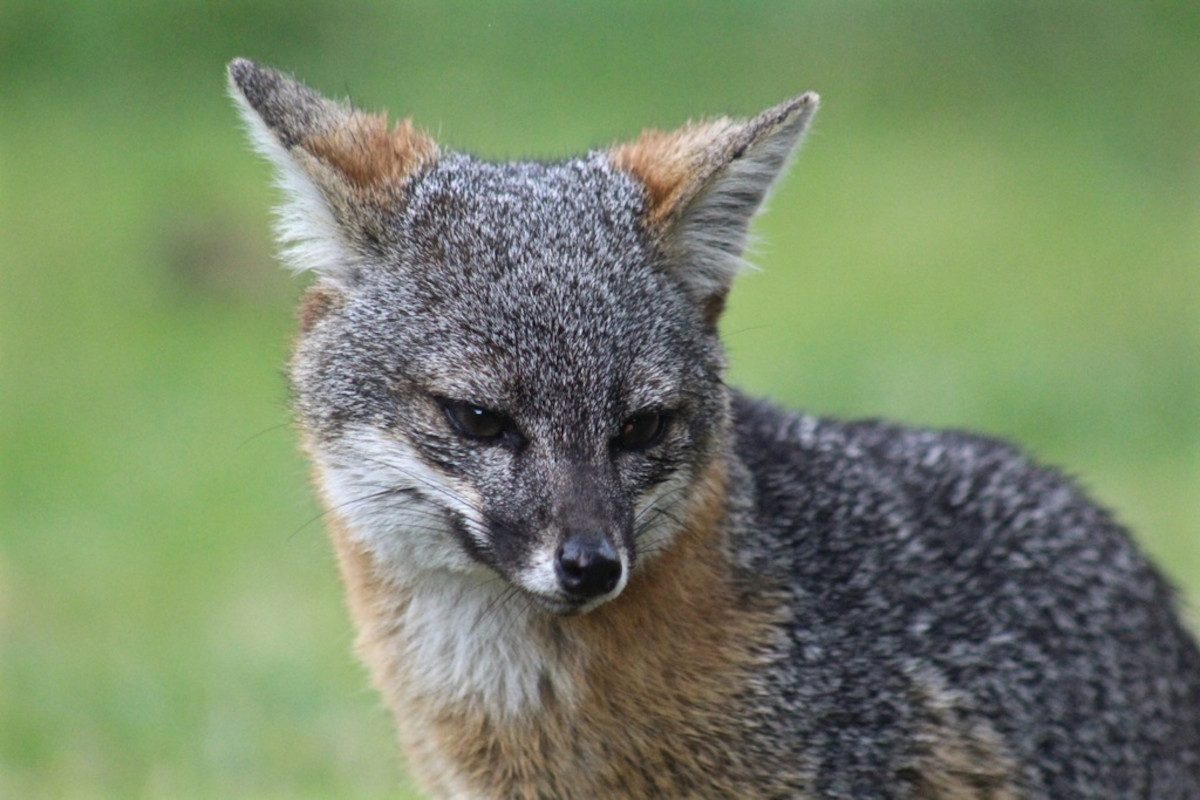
475,421
642,431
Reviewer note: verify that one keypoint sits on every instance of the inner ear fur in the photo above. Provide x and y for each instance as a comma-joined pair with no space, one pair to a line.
704,182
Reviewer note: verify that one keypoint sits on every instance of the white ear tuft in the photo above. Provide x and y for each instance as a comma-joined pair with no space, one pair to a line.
309,236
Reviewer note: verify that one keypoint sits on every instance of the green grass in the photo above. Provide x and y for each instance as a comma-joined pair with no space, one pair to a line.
994,226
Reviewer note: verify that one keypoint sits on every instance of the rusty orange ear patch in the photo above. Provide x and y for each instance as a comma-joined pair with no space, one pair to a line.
367,154
673,165
684,165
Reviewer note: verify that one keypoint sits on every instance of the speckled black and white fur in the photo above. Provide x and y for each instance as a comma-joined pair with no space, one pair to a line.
923,614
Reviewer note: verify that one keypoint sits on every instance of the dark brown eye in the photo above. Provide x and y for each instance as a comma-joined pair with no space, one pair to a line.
475,421
642,430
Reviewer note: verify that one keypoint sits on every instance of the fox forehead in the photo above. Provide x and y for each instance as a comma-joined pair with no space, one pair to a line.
525,278
492,217
557,243
509,350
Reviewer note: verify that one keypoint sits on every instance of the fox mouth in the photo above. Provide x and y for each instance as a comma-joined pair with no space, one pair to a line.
565,606
561,607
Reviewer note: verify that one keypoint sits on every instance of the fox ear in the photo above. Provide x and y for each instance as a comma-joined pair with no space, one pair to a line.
341,170
704,182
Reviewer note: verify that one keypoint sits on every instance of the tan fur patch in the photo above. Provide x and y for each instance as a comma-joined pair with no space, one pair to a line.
316,304
368,155
672,164
375,606
959,756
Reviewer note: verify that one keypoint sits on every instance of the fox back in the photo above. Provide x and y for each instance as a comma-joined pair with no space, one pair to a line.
581,566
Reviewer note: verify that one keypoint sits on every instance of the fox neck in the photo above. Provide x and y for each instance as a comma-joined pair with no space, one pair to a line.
455,654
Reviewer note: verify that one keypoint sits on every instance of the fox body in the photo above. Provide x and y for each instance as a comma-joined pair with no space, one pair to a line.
581,566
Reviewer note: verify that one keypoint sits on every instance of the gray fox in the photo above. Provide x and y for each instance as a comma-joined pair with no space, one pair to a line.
581,566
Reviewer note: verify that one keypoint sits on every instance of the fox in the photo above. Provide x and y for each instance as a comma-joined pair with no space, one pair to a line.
580,565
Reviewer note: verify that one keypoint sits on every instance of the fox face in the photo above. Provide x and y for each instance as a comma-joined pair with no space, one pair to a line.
513,384
511,370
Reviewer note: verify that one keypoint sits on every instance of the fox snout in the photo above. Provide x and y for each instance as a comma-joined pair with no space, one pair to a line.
580,544
572,569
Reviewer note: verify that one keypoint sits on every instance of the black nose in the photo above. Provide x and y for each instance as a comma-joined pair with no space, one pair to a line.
587,566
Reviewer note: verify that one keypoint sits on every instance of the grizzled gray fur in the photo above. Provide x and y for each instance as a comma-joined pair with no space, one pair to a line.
582,566
918,552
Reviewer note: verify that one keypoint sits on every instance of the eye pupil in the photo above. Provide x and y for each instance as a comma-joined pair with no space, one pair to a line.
475,421
641,431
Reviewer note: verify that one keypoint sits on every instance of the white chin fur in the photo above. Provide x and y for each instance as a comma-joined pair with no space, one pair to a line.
475,642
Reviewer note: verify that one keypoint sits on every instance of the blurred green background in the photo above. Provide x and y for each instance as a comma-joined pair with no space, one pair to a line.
995,225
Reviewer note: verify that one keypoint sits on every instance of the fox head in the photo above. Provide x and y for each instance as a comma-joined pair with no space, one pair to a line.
511,369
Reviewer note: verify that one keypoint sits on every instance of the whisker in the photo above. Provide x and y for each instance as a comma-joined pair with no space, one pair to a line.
330,510
436,516
670,497
262,433
494,606
436,487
